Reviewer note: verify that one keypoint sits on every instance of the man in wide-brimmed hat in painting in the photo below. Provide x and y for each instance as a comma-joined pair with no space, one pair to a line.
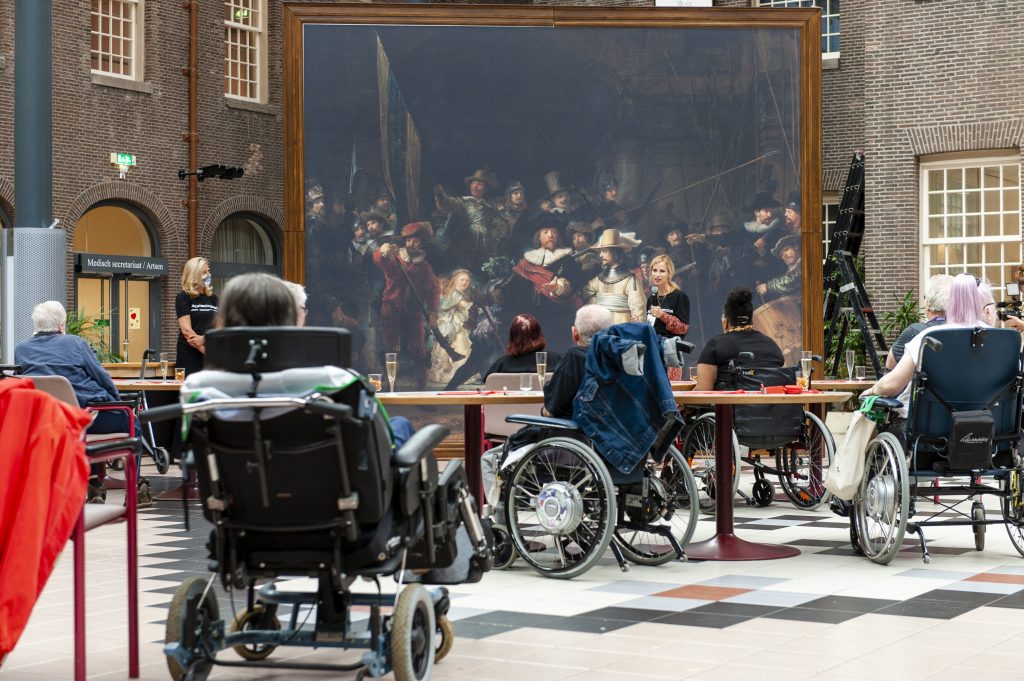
616,286
474,227
788,251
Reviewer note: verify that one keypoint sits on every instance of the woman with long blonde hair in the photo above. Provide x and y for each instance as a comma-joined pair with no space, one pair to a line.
195,308
668,308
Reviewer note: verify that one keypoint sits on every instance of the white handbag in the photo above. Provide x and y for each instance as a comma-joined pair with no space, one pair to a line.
847,469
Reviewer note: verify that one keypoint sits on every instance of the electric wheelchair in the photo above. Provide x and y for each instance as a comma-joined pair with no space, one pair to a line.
558,504
799,442
962,427
298,477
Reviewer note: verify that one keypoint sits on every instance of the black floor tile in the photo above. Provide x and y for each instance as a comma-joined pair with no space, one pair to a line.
977,598
735,609
587,625
819,542
624,614
838,551
813,615
807,516
756,526
507,618
710,620
478,630
848,604
1012,601
829,523
940,610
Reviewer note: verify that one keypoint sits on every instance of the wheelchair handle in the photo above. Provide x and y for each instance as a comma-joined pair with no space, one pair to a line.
933,343
164,413
327,408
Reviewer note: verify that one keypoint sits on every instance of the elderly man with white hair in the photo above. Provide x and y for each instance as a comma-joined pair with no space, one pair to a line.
936,297
560,391
51,352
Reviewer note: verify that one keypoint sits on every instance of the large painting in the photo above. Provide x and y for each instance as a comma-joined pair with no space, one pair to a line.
452,168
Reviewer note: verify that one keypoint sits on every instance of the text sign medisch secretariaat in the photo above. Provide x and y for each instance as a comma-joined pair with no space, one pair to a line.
135,265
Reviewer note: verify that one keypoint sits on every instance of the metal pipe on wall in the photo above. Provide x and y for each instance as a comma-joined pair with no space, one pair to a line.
192,135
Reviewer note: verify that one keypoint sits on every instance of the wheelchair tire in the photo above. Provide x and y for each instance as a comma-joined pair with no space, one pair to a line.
412,635
560,507
447,633
802,470
253,619
116,465
504,550
162,460
677,511
1013,507
763,493
978,516
882,504
699,452
177,616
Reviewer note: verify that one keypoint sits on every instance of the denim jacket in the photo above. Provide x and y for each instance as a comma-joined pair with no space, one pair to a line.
625,395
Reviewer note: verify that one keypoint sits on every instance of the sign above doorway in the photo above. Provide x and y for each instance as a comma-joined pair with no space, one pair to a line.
136,266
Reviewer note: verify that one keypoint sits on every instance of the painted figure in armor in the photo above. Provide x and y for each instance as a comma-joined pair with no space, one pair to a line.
617,287
787,284
474,228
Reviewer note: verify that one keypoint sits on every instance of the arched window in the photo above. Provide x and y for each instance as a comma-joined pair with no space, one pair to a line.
243,242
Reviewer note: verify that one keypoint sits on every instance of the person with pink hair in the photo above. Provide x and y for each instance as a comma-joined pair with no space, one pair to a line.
966,309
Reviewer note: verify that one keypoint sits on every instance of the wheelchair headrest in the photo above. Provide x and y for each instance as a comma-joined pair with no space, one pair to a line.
277,348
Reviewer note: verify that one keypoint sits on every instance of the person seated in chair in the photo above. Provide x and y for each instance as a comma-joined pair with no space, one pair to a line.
52,352
966,309
261,299
525,340
739,336
936,297
567,377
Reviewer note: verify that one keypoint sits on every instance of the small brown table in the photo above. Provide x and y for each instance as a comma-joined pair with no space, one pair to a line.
135,384
473,410
725,545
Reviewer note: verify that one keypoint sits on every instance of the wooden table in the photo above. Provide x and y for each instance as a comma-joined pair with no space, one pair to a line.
134,384
473,411
841,384
725,545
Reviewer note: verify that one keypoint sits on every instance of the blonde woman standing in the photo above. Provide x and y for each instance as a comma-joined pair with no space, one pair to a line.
668,308
195,308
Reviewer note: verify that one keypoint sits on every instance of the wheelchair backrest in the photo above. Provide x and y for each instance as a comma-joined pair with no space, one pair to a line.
286,347
765,426
976,368
285,469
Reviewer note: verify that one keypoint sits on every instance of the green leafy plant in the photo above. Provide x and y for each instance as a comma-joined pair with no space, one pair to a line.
907,312
79,323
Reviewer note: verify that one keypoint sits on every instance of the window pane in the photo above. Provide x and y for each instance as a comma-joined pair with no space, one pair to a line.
935,204
1011,199
972,254
1011,176
992,176
955,227
992,225
935,180
991,201
954,178
973,202
935,228
1011,224
972,178
972,225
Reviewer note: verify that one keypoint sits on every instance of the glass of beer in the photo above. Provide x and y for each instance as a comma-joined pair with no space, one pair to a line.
164,362
376,381
179,374
391,366
542,368
693,374
801,379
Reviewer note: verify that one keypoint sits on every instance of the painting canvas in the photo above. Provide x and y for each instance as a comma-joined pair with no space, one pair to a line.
455,176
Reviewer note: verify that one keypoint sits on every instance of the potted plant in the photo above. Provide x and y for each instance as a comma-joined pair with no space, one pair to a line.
79,323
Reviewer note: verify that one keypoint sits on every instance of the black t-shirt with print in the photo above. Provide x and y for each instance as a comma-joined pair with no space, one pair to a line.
201,310
727,346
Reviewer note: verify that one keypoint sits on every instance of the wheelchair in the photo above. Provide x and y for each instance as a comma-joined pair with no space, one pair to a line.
962,427
559,506
799,442
298,478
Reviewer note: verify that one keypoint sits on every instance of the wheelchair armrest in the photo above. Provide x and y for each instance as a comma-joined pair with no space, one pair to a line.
112,405
888,403
547,421
113,449
419,445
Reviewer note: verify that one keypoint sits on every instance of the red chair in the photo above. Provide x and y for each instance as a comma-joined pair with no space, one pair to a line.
104,448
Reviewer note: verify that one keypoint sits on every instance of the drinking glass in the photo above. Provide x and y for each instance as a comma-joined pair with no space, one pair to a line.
693,373
164,361
805,367
850,359
542,367
391,366
801,379
179,375
806,354
526,382
860,373
124,349
377,381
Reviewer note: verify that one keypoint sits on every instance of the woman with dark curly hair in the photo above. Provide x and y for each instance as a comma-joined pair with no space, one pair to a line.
739,336
525,340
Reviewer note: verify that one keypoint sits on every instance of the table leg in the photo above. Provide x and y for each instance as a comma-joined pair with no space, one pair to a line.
473,447
725,545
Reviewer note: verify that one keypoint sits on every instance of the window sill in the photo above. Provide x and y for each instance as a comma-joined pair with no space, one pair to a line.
830,61
233,103
142,86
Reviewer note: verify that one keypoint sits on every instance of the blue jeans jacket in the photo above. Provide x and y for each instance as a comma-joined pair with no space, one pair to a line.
625,396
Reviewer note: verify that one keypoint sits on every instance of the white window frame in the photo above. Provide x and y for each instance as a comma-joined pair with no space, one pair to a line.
825,17
137,51
826,201
258,30
1009,260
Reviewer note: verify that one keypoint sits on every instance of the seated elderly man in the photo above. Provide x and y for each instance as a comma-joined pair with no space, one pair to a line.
936,297
567,377
51,352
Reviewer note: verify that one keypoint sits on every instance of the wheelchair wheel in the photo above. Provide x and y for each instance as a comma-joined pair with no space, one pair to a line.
446,632
1013,508
881,506
560,505
978,516
670,506
699,452
206,614
504,550
412,635
802,468
162,460
763,493
248,620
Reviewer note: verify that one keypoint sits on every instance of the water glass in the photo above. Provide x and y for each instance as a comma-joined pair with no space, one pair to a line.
525,382
693,373
860,373
164,362
805,366
377,381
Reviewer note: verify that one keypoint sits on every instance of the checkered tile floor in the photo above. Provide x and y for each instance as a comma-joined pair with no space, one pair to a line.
826,614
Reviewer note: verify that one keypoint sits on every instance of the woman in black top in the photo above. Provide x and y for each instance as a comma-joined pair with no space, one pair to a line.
739,336
668,308
195,307
525,340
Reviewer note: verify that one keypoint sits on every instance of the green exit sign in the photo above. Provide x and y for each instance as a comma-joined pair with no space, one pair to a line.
122,159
